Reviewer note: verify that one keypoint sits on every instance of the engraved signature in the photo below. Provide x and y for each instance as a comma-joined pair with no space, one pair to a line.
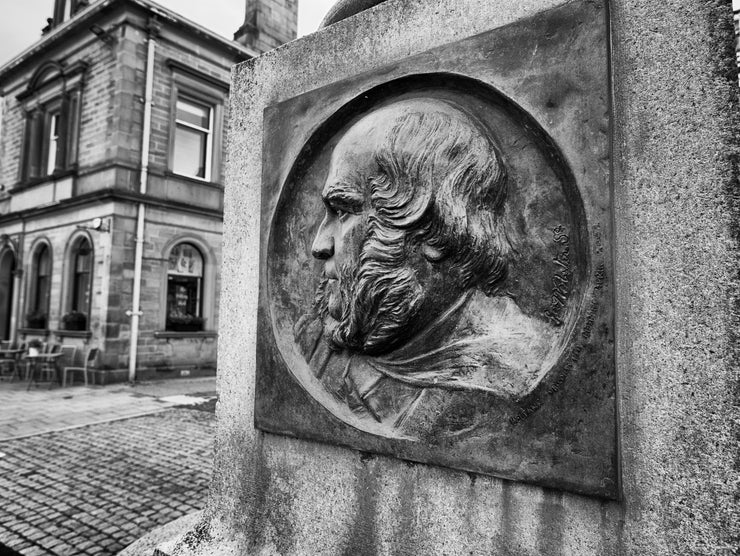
561,280
599,277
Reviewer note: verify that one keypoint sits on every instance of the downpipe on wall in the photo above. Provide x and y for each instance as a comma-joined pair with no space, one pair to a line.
135,313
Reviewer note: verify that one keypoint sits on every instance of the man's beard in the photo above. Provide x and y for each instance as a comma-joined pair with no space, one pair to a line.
371,305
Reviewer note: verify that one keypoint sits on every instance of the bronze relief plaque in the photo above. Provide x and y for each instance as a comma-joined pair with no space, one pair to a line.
435,267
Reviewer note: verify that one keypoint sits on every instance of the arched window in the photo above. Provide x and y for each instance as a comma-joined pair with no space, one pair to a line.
7,273
38,307
79,284
81,276
185,288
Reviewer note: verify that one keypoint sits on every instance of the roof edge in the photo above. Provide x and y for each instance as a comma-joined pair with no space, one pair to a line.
89,13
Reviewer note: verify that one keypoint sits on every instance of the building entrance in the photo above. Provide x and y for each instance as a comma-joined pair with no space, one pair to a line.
7,270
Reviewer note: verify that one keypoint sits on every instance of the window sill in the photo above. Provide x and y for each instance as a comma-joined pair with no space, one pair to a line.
73,333
192,179
174,335
34,331
31,182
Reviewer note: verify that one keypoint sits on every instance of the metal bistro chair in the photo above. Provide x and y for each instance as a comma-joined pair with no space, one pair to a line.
7,362
92,354
19,367
49,367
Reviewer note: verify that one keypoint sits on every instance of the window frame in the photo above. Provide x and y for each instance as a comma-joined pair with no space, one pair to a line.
70,285
77,304
177,278
207,132
193,86
207,286
50,147
34,304
53,90
10,271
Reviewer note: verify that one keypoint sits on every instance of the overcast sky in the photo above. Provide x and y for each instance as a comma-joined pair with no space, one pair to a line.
22,20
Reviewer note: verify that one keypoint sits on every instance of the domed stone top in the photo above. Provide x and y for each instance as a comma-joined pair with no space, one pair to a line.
346,8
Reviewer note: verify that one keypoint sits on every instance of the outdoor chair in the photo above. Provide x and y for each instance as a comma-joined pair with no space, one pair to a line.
49,368
19,367
92,354
8,362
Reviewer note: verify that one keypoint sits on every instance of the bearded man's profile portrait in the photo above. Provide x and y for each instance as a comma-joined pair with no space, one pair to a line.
412,308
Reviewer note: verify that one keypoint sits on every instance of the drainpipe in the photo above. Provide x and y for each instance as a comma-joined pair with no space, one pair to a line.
135,313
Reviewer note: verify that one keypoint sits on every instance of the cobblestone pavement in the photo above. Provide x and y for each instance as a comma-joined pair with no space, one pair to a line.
95,489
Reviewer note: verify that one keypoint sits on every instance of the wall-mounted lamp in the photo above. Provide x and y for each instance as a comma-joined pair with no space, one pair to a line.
103,35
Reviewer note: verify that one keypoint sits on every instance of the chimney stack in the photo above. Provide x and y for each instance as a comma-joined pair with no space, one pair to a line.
268,24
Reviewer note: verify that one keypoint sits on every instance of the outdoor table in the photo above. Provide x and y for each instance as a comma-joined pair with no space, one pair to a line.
7,355
33,361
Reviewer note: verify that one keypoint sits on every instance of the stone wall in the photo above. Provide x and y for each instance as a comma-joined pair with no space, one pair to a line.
675,177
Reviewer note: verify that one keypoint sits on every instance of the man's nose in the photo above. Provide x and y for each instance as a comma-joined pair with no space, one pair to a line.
323,244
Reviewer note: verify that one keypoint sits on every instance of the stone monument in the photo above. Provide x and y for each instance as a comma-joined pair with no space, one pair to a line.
489,302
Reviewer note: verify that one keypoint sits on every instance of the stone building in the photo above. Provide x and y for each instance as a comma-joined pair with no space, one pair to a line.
111,181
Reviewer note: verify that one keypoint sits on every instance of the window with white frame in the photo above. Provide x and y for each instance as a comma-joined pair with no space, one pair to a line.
52,141
193,149
196,123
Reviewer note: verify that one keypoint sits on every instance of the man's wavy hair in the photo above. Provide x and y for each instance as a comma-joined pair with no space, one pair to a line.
442,182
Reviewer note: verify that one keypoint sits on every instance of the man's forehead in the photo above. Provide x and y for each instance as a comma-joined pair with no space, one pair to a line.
343,187
351,164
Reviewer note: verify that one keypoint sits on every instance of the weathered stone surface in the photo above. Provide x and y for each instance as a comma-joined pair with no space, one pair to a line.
676,260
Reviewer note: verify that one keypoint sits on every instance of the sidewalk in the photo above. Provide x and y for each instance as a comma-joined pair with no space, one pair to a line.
44,410
87,471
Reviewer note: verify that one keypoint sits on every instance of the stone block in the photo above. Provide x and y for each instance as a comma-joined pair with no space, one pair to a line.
674,144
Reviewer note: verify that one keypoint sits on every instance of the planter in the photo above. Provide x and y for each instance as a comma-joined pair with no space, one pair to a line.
74,321
185,327
36,321
185,324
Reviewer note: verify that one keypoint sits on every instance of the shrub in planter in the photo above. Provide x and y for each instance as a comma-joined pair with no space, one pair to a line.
36,320
185,323
74,320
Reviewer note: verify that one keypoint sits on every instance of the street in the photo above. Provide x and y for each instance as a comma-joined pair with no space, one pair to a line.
90,470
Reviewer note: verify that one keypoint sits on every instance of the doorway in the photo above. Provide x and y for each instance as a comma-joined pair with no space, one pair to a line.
7,272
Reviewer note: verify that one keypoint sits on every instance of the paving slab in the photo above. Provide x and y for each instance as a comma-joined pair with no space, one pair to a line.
41,410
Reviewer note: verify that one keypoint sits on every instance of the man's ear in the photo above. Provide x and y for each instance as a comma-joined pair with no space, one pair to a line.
432,254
